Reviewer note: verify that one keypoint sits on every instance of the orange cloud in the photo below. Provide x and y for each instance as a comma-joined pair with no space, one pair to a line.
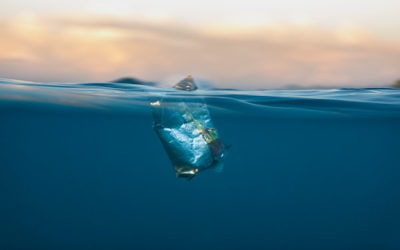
104,48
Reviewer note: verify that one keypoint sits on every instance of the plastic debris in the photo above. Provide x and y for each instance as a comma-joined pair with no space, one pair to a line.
187,133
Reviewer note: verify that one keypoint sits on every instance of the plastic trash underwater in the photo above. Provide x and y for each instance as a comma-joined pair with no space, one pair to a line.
187,133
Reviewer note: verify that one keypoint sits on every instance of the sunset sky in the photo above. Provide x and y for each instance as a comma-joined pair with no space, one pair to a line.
244,44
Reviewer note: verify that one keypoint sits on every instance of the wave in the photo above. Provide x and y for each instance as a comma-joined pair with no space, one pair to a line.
123,97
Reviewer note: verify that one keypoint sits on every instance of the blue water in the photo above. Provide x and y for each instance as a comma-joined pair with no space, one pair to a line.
81,167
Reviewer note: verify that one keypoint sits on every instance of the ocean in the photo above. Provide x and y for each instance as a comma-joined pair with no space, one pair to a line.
81,167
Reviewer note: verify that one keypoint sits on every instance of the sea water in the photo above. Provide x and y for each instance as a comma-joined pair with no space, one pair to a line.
81,167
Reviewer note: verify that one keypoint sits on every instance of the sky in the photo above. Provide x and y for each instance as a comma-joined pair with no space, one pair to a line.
241,44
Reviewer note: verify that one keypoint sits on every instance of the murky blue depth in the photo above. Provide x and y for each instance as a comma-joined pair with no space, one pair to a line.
81,167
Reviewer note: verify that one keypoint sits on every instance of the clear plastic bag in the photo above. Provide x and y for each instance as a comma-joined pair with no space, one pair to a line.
187,133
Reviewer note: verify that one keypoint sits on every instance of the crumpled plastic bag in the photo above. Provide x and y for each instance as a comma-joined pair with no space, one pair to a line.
187,133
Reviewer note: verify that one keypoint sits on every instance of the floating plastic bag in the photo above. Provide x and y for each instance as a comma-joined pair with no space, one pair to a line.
186,131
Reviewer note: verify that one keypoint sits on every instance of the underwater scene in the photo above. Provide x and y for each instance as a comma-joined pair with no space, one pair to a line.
129,166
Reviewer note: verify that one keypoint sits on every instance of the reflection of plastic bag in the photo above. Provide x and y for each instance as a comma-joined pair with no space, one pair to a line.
187,133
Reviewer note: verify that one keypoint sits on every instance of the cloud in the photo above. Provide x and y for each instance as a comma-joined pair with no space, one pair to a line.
98,48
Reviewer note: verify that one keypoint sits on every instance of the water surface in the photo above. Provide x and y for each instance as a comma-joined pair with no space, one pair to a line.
81,167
